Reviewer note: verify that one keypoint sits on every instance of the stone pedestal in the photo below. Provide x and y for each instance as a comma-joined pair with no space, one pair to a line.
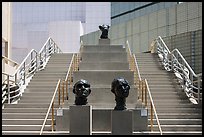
122,122
80,120
104,41
62,119
140,119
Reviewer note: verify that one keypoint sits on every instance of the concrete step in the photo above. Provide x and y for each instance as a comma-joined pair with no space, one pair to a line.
105,96
36,83
41,94
102,77
25,127
94,48
48,78
27,105
179,128
178,121
55,69
38,87
24,110
24,116
103,66
25,121
179,115
96,57
178,110
45,73
38,90
35,133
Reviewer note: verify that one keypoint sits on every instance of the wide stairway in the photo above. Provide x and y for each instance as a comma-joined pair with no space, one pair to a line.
177,115
100,65
27,116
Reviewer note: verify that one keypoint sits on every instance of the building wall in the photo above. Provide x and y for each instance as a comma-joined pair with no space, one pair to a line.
34,22
67,39
124,11
6,29
141,31
190,45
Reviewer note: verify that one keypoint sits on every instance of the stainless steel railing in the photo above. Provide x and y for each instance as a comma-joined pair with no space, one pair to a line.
173,61
143,88
33,62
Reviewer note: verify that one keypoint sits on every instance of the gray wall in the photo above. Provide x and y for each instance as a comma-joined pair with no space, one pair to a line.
140,32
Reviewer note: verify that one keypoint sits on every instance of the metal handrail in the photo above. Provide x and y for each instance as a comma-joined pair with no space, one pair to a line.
69,69
152,107
50,106
12,61
175,62
140,89
32,63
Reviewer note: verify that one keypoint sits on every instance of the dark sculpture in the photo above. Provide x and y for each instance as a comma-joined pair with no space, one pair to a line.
81,90
120,87
104,29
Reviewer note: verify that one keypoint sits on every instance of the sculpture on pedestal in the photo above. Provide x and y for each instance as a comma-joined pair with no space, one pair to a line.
120,87
81,90
104,29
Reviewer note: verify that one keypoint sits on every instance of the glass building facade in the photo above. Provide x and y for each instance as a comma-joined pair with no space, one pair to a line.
124,11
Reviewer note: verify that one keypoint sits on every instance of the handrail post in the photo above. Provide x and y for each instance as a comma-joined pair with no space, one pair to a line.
36,61
63,91
66,89
199,79
8,87
142,89
59,95
53,116
24,75
151,116
145,94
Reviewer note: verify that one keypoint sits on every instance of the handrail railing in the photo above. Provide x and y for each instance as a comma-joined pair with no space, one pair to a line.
33,62
175,62
15,64
152,107
68,81
142,86
50,106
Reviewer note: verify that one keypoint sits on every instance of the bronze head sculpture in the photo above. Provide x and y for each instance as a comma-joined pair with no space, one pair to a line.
120,87
81,90
104,29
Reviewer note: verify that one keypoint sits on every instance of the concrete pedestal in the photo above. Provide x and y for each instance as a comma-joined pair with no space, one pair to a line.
140,119
121,122
62,119
104,41
80,120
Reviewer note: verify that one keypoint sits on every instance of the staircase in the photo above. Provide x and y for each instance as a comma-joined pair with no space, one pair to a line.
99,65
27,116
177,115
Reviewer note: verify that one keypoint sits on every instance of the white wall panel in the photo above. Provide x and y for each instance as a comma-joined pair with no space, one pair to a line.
162,18
181,12
192,10
172,15
136,26
144,23
153,20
